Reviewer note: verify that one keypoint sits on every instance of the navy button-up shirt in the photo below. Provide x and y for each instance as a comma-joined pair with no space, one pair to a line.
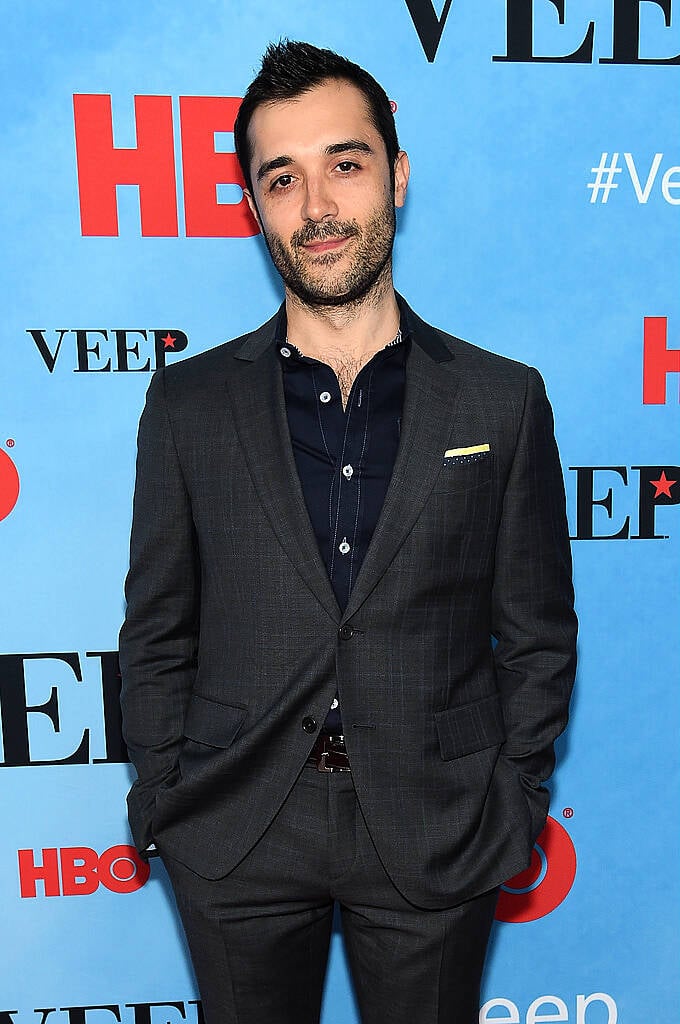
344,457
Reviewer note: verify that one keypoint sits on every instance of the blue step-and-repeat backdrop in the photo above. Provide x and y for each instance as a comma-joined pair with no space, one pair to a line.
542,223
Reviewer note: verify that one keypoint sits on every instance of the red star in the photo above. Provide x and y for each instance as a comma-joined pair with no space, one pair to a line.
663,485
169,341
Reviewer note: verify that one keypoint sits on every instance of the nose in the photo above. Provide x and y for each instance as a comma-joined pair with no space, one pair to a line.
318,201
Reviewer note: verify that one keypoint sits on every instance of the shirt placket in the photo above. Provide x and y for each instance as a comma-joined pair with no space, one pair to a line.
343,435
347,490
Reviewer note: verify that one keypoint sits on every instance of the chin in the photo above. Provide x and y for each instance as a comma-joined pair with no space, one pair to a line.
341,295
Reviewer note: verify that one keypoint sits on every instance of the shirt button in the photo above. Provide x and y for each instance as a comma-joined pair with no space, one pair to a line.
309,724
285,351
347,471
325,396
334,703
346,632
343,547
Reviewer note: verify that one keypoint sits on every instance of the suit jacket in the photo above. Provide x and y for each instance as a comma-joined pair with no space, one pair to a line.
454,658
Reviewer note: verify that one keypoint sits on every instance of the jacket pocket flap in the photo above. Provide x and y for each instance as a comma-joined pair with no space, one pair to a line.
470,727
461,473
211,722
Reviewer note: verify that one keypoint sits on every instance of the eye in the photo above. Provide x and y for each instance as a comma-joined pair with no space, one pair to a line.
283,181
347,165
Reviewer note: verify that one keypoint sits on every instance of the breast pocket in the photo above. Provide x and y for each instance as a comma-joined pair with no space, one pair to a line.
464,473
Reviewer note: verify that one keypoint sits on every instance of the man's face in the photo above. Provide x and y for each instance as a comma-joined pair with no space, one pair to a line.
322,192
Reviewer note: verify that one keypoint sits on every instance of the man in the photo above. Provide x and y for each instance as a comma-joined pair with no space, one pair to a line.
349,643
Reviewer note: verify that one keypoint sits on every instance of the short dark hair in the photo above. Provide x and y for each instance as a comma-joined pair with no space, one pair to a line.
291,68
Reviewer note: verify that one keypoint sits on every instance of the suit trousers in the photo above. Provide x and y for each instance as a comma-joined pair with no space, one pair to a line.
259,937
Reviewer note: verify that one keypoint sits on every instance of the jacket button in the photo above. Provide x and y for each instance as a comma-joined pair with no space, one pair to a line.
346,632
309,724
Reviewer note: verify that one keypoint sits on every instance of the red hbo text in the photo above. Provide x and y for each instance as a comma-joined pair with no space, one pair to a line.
151,166
658,361
79,871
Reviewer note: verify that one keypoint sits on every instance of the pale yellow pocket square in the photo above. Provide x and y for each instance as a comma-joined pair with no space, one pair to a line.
475,449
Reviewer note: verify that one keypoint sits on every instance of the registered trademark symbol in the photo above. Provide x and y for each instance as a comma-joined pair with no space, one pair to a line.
394,106
10,442
568,812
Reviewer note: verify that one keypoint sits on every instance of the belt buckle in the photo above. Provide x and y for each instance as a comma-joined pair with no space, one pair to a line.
321,765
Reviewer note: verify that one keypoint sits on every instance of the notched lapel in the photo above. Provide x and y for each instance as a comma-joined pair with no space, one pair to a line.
255,389
428,421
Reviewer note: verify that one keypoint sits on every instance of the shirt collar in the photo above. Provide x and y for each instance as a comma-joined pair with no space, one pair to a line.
291,353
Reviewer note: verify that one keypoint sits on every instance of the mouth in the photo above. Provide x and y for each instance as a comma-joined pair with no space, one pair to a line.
325,245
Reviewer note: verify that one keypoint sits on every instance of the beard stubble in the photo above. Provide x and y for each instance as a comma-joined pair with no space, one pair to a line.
320,286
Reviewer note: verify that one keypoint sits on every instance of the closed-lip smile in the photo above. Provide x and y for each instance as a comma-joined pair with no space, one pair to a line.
325,244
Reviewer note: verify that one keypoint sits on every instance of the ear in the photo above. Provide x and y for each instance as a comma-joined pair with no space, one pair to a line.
402,171
253,207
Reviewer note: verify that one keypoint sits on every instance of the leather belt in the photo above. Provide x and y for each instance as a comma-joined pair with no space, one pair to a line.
329,754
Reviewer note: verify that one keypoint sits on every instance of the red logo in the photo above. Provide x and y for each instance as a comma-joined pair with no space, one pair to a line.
9,484
151,166
79,871
547,881
658,360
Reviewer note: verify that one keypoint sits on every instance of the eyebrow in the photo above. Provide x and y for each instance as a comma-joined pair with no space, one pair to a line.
347,146
273,165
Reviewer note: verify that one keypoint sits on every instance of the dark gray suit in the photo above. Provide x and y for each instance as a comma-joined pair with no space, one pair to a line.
233,636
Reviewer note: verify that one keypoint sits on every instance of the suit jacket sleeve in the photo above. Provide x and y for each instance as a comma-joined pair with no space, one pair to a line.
158,641
533,617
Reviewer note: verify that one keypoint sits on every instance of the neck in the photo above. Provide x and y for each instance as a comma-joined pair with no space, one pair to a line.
354,331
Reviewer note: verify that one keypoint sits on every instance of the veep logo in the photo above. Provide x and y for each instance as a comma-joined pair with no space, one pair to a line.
72,739
519,20
9,484
658,360
547,881
118,351
657,487
189,1010
151,165
79,871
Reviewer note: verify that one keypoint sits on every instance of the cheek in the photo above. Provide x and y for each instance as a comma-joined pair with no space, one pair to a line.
280,220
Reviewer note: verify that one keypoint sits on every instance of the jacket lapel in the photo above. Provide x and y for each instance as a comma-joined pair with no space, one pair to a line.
428,419
258,401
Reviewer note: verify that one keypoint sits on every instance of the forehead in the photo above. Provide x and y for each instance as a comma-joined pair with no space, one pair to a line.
328,113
